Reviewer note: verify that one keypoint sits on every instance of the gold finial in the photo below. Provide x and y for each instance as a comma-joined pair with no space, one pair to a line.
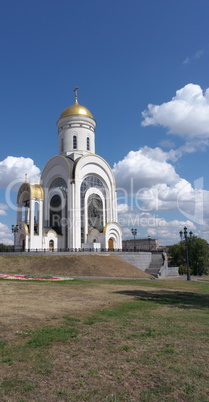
76,94
26,178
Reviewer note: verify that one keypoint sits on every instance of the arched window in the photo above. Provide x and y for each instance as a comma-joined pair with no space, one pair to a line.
88,143
59,183
58,209
95,212
25,210
62,147
74,142
88,182
56,214
36,218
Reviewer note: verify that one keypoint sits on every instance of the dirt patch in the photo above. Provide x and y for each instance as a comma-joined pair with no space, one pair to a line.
32,302
75,265
28,305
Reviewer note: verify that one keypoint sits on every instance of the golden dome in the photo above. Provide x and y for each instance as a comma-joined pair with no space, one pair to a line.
36,191
76,110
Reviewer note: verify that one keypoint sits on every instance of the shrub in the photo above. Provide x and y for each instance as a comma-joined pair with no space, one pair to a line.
182,269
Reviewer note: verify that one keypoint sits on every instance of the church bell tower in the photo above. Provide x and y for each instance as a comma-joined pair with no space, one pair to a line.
76,130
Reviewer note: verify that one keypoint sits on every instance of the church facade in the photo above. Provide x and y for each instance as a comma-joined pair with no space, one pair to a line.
75,204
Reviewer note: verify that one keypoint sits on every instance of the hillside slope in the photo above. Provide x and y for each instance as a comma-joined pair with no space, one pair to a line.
77,265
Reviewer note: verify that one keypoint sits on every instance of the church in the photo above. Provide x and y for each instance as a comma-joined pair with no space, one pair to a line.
75,205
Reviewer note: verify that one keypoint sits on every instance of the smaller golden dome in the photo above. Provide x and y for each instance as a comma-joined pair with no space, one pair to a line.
76,110
36,191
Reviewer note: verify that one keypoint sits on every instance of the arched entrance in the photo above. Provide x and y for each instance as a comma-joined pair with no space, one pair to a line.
22,242
51,245
110,244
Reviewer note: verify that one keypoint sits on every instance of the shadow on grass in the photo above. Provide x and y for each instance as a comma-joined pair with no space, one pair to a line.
178,299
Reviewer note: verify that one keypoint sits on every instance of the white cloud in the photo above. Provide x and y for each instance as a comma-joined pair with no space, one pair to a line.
167,143
191,202
121,208
14,168
145,168
167,232
198,54
127,233
6,236
146,171
189,147
186,115
186,61
146,182
3,209
165,197
136,218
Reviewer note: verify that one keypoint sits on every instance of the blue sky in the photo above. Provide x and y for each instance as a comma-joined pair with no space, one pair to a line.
123,56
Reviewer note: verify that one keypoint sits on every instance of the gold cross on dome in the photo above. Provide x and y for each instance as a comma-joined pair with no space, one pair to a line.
76,93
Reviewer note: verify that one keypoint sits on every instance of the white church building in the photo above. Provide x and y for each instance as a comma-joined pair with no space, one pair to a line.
75,204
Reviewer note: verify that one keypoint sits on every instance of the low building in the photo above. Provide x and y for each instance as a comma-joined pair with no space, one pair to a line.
140,245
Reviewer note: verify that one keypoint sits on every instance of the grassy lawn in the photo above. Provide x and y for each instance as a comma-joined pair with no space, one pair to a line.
104,341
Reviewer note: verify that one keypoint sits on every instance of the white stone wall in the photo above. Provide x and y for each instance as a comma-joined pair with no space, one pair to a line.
140,260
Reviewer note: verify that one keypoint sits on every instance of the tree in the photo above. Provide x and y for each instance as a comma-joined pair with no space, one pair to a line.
198,252
4,248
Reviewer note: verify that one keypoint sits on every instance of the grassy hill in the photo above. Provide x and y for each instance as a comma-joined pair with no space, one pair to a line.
77,265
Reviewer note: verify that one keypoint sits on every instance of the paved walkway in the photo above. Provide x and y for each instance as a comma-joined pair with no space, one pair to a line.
65,277
183,278
167,278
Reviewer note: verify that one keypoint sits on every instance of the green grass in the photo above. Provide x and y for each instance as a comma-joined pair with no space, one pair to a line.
46,336
93,320
12,384
146,333
70,320
151,347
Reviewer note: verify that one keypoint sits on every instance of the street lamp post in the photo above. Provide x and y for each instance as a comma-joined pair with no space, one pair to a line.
134,233
184,237
15,228
149,240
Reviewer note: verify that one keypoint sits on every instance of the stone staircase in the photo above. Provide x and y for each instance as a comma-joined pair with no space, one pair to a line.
155,265
139,260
